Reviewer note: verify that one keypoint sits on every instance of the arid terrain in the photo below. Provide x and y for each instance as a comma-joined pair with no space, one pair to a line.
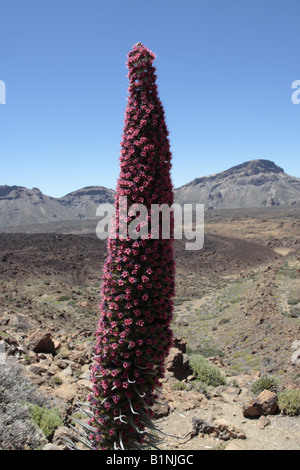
237,303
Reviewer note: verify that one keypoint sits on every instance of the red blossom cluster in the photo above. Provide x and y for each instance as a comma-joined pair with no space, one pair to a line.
134,335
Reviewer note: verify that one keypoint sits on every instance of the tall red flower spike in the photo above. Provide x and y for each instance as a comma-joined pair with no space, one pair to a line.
134,335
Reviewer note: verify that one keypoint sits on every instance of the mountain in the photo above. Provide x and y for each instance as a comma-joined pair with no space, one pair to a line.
20,206
256,183
84,202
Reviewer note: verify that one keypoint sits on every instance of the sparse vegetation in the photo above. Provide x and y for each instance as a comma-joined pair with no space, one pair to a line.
27,359
206,352
289,271
206,372
268,382
57,380
47,419
223,321
64,352
63,298
289,402
196,385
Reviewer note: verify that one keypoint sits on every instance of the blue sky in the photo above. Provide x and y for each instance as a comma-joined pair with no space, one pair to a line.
225,70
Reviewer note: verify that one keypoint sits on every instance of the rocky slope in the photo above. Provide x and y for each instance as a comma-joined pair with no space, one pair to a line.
237,303
256,183
53,369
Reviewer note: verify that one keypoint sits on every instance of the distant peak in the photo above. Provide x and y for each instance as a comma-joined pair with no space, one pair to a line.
89,190
246,169
259,165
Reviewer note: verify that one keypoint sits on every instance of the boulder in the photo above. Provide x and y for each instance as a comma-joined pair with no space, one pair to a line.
40,341
265,404
177,363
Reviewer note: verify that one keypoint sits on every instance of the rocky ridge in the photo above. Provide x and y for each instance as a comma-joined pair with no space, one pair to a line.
21,206
257,183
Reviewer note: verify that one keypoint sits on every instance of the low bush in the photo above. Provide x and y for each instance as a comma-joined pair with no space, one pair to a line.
267,382
47,419
206,372
289,402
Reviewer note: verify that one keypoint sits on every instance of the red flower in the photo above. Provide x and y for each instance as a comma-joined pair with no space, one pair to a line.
138,277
